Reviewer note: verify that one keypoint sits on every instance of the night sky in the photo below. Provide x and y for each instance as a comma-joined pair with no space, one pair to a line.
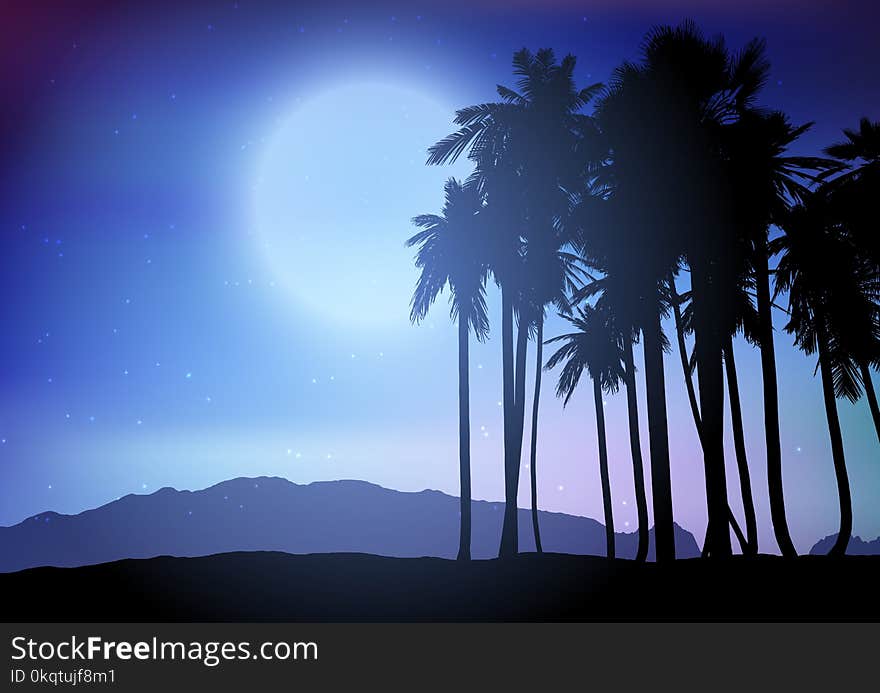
203,210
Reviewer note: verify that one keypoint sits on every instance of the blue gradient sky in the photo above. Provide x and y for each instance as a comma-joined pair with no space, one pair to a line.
152,338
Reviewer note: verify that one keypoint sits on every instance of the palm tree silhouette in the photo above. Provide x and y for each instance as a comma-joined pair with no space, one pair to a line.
593,347
667,180
769,181
616,300
527,149
449,255
853,197
552,274
745,318
821,305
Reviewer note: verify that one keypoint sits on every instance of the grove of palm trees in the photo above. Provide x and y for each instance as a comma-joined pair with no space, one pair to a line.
665,208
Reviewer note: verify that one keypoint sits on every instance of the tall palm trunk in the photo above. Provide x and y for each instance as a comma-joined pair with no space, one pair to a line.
519,392
710,385
533,460
682,353
603,470
739,444
509,532
695,412
658,436
635,448
843,492
464,441
771,406
871,395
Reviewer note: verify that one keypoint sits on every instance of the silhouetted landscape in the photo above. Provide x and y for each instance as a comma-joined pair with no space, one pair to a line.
273,514
268,586
666,211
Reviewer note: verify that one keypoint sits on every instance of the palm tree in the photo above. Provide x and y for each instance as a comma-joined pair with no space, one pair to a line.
744,317
527,149
820,305
639,234
768,182
552,275
853,200
449,254
594,348
666,172
616,300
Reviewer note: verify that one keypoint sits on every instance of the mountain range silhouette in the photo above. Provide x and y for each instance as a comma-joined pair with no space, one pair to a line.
274,514
856,547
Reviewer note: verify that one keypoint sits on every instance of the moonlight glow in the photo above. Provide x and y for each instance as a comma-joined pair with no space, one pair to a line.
336,190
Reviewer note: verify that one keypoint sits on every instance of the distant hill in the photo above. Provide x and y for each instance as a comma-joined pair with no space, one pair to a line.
274,514
856,547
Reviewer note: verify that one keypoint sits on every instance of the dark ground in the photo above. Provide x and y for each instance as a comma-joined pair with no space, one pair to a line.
266,586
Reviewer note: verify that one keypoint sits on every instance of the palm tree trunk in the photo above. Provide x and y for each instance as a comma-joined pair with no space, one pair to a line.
635,448
603,470
510,529
843,492
658,436
695,411
509,537
771,406
533,460
711,388
682,353
710,384
871,395
464,441
739,444
519,392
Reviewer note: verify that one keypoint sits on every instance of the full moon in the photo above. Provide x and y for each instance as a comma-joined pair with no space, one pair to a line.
337,187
